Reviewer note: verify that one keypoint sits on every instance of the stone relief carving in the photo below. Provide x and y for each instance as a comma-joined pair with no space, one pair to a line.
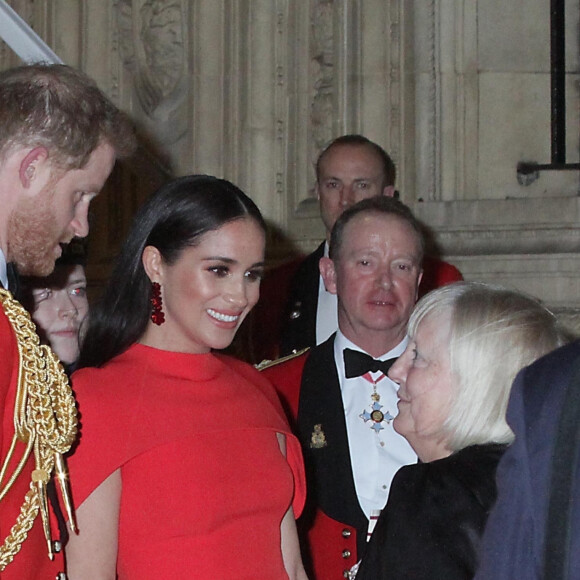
280,96
394,45
322,74
152,41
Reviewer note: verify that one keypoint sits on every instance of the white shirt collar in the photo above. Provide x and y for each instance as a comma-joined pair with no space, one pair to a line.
3,275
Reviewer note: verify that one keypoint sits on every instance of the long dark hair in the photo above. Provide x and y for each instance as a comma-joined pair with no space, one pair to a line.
174,218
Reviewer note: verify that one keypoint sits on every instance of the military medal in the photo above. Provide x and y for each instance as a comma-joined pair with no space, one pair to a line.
375,414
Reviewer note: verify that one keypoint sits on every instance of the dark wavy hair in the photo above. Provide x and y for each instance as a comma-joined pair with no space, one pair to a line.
174,218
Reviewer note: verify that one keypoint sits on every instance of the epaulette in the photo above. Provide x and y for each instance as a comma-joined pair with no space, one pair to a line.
266,364
45,419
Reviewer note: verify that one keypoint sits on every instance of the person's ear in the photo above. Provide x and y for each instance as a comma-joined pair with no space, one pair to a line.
328,273
389,191
418,284
31,165
153,264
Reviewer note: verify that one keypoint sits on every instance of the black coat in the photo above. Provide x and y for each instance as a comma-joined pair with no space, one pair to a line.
515,539
432,524
299,328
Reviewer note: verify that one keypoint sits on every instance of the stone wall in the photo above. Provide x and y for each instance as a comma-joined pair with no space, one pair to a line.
458,91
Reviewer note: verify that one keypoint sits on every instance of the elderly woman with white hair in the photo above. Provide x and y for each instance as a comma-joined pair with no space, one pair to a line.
467,342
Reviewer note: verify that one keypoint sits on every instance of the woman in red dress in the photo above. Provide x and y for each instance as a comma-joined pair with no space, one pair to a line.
186,466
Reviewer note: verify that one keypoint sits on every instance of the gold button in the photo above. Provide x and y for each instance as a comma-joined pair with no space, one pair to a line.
346,553
346,533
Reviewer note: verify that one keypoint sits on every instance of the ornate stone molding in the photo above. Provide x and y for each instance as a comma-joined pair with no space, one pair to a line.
394,59
514,226
152,41
509,240
323,71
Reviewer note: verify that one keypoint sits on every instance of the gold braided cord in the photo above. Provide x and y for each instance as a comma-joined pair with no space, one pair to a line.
45,420
20,529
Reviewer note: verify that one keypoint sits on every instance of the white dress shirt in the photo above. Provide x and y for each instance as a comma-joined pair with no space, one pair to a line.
375,455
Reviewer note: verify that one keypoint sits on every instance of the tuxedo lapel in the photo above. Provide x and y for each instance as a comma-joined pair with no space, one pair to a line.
322,429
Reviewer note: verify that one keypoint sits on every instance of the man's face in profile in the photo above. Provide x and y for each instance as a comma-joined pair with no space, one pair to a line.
41,222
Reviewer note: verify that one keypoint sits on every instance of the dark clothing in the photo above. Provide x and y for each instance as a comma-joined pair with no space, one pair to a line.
513,545
299,323
431,526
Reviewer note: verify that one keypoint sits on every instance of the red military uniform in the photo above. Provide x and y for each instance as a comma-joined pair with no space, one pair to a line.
31,562
333,527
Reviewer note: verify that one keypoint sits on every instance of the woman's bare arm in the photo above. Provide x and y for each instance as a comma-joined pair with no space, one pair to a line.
290,544
93,552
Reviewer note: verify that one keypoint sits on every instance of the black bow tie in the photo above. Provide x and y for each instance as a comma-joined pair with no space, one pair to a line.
358,363
13,280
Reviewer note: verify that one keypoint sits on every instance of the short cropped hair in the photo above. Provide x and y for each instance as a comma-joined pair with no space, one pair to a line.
389,170
494,333
381,205
62,109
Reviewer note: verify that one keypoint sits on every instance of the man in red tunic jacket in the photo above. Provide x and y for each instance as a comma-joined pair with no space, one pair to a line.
59,137
294,310
343,410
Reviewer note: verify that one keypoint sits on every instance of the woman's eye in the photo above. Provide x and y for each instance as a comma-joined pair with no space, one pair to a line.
42,295
219,271
255,275
79,292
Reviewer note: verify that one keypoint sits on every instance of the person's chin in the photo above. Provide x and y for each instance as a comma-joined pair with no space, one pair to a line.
399,423
66,354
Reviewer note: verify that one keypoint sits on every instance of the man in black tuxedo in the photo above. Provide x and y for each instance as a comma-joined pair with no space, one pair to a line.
533,531
342,409
350,169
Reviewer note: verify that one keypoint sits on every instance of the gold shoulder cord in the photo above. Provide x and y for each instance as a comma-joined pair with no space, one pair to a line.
45,420
266,364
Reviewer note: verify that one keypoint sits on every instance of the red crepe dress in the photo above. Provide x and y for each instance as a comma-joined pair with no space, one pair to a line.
204,484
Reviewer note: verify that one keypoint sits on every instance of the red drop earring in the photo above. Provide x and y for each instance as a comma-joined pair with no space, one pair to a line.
157,314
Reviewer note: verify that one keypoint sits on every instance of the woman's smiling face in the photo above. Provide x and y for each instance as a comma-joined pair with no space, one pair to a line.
211,287
426,382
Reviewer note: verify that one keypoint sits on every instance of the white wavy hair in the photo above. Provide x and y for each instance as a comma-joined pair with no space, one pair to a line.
494,333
